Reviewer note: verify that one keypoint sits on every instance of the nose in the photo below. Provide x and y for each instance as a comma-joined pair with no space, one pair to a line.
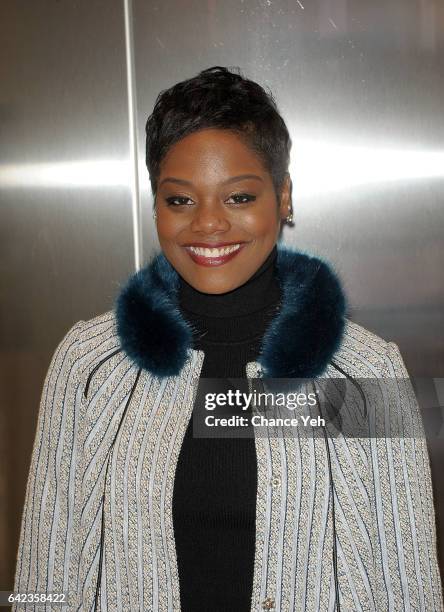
209,218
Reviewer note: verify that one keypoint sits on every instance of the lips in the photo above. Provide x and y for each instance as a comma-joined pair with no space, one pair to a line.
213,260
210,245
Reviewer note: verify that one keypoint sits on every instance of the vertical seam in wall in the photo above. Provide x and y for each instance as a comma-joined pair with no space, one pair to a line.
132,132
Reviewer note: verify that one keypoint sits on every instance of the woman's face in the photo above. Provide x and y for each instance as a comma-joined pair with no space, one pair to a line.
202,198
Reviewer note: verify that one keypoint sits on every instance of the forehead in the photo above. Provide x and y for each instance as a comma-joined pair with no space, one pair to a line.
211,150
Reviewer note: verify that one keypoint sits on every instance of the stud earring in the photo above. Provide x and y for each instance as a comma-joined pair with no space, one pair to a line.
289,218
154,215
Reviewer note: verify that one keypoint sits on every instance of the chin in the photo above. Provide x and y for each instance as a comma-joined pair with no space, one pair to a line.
210,288
206,285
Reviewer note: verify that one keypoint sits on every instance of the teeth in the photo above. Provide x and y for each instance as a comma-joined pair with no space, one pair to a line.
214,252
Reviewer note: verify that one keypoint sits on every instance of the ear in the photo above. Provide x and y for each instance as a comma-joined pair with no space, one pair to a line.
285,201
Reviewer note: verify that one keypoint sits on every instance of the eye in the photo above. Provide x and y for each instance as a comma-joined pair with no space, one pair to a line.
239,198
242,198
177,200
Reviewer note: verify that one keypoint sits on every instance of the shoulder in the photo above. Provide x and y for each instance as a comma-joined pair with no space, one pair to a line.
363,353
95,339
102,325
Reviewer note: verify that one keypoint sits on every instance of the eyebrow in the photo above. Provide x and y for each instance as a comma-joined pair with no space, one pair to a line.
233,179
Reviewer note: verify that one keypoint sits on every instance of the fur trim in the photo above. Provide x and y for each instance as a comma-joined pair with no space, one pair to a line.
298,343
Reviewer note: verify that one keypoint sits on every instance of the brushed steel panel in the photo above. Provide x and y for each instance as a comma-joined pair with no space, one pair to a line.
66,226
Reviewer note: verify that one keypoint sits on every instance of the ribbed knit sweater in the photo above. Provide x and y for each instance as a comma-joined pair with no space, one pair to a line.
214,499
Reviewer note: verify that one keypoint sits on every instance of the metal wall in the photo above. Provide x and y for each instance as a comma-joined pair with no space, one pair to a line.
65,216
361,87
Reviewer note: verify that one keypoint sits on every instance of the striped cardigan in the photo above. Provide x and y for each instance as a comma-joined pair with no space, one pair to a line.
98,507
387,553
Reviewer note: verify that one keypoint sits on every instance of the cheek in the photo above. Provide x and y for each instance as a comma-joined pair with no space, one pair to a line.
168,226
261,222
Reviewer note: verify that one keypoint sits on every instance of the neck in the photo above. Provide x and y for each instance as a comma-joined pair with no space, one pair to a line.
237,315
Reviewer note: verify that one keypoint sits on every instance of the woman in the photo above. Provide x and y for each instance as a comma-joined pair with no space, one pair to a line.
125,508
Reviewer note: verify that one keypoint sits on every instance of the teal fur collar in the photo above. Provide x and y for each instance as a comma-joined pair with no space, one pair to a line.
299,342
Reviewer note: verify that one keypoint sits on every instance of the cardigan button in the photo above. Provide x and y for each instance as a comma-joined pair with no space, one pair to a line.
268,604
275,481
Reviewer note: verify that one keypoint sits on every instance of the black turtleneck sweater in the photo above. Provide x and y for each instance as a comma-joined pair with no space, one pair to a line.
214,498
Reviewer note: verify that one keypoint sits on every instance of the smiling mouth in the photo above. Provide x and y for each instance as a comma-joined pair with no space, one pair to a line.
214,257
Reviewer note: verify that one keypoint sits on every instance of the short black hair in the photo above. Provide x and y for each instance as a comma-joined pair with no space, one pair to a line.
219,98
